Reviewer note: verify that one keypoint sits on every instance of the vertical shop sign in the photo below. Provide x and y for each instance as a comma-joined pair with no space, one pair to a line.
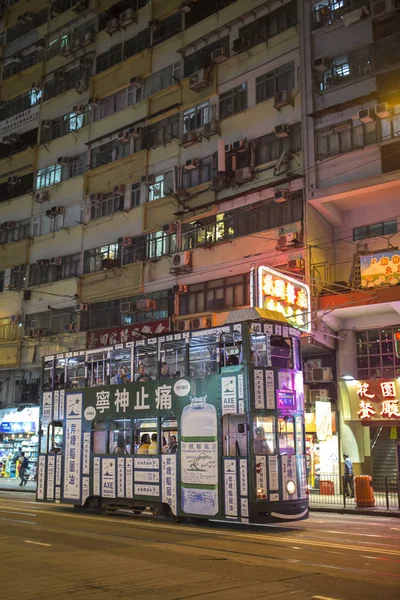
129,477
108,477
168,481
41,476
270,389
96,476
86,453
72,460
50,477
121,477
259,401
229,395
231,504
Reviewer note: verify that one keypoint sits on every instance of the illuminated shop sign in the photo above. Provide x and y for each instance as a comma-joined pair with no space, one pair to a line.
17,427
282,294
378,399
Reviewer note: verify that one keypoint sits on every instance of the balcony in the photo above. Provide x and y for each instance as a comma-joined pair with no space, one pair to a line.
332,11
342,70
18,186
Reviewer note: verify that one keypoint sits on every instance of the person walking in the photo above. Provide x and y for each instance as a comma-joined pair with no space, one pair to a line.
24,463
348,476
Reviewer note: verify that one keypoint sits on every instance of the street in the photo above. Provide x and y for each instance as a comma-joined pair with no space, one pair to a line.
50,551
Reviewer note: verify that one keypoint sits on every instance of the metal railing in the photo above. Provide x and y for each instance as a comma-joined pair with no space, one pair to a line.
330,490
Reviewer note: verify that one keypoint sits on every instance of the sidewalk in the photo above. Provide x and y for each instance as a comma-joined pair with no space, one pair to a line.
377,511
12,485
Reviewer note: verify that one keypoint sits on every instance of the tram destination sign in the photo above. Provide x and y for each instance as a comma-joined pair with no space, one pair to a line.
129,333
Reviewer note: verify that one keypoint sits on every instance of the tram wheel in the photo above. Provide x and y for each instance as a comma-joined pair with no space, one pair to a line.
168,515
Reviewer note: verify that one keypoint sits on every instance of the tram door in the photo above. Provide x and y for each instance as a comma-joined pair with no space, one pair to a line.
235,466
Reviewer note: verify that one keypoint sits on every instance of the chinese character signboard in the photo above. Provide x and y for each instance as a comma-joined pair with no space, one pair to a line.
282,294
374,400
22,121
130,333
379,269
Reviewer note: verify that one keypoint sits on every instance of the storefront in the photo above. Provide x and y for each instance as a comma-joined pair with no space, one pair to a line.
18,429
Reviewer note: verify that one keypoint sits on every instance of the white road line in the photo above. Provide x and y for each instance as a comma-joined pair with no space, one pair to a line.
323,598
17,512
17,521
38,543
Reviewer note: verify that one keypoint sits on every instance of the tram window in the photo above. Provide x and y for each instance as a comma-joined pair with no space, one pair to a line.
286,435
231,350
281,352
56,437
99,437
97,368
264,435
48,375
203,356
234,430
146,363
119,436
169,436
144,429
59,375
75,372
120,366
258,353
173,359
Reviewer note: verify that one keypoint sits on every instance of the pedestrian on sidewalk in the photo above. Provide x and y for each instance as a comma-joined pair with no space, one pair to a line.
24,463
348,476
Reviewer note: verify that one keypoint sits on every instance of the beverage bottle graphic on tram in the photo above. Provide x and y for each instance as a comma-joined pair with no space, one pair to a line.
199,458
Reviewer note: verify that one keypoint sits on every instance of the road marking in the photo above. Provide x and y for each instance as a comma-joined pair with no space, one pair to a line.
37,543
323,598
17,512
18,521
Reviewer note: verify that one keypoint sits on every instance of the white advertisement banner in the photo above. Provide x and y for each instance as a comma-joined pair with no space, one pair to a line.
243,477
46,409
72,460
129,477
323,419
58,493
121,477
244,507
58,469
259,401
273,473
108,477
56,401
86,453
61,405
284,467
147,476
231,506
85,489
146,463
22,121
41,477
270,389
141,489
229,395
96,476
168,465
50,477
74,406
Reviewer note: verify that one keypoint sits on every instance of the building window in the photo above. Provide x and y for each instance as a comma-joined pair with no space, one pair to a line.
136,195
203,174
278,80
62,81
375,230
202,58
22,28
108,205
23,185
20,63
20,231
162,186
167,28
345,137
342,69
218,294
269,147
196,117
18,277
161,132
103,257
48,176
160,243
326,12
269,25
56,223
376,353
233,101
112,57
18,142
390,127
112,151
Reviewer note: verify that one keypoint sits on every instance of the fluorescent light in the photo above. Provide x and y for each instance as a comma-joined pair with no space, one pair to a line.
348,377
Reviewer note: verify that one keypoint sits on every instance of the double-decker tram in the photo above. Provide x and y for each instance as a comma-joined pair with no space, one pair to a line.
206,424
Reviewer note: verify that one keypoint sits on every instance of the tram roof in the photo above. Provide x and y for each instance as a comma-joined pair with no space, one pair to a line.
254,314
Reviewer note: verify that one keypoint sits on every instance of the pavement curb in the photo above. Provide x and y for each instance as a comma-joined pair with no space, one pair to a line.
22,491
357,511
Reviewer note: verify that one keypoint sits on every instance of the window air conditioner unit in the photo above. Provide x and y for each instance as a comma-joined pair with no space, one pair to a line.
240,146
41,197
200,323
281,195
8,225
81,307
243,175
169,228
119,190
366,115
25,18
70,328
135,132
137,81
148,179
54,212
295,265
15,319
13,180
123,137
76,45
14,137
46,124
285,242
180,289
191,164
316,395
383,110
94,103
320,65
228,148
43,262
190,139
146,304
126,307
112,26
282,131
241,44
66,50
212,128
95,199
63,160
181,261
56,260
284,98
127,17
186,6
79,6
88,38
81,85
219,55
37,333
127,242
199,80
153,25
322,374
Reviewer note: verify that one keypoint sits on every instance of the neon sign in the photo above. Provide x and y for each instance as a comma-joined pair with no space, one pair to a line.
377,391
283,294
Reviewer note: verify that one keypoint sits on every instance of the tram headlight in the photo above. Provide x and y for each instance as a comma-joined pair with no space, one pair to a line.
291,487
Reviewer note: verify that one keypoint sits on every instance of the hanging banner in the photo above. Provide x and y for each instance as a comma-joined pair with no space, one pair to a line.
130,333
323,417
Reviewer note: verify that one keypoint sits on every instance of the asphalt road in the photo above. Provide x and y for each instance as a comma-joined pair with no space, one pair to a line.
53,551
